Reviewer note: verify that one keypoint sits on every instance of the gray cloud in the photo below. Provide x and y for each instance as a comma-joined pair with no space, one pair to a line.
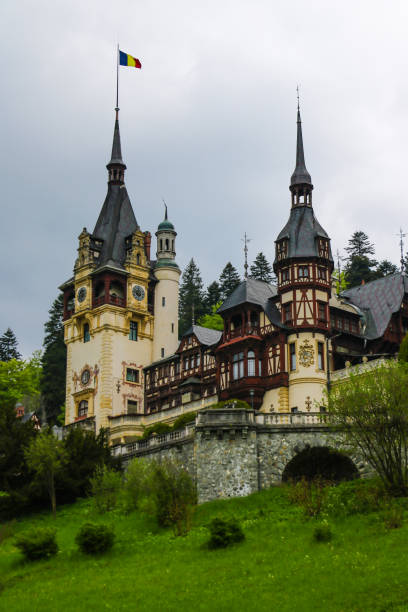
208,123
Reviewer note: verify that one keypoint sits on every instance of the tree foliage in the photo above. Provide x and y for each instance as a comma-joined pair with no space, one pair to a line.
54,362
371,409
8,346
385,268
19,379
213,320
213,296
46,456
359,266
191,297
359,245
229,280
261,269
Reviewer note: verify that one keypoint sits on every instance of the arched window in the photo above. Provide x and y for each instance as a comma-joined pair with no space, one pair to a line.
167,244
138,259
161,244
251,363
87,335
83,408
172,245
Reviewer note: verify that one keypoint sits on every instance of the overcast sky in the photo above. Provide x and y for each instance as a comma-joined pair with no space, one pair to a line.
209,123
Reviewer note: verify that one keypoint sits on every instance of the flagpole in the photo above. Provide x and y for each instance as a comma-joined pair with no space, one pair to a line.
117,83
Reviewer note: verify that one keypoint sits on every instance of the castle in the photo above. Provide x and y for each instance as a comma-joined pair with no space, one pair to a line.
126,367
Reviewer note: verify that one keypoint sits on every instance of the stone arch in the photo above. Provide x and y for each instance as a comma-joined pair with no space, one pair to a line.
320,461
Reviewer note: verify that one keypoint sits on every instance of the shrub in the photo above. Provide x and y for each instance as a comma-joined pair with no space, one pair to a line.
183,420
309,495
224,532
158,428
136,482
38,543
93,539
394,517
105,488
173,495
322,533
355,497
231,403
6,530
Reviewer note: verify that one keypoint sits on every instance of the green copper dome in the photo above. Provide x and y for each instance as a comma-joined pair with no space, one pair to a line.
166,225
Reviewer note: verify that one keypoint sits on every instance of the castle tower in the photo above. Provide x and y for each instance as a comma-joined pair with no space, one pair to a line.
108,310
303,266
166,300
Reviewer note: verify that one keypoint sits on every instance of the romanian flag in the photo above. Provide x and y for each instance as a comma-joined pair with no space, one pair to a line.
128,60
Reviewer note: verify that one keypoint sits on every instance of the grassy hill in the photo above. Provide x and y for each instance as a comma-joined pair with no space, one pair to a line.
278,566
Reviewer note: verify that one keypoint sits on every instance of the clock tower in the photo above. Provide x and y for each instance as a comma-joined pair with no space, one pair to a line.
109,308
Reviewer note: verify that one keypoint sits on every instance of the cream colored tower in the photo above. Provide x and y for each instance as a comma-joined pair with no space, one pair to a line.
108,313
166,298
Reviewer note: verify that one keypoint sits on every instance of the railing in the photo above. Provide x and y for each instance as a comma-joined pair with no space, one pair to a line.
155,440
125,419
247,330
357,369
112,299
292,418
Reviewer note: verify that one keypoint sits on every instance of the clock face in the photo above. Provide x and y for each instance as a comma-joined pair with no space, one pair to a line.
138,292
85,377
81,294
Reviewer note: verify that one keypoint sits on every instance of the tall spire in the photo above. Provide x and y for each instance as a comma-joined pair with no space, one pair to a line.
301,182
116,166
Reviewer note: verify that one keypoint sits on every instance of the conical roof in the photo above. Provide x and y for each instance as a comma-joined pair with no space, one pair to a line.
116,157
300,175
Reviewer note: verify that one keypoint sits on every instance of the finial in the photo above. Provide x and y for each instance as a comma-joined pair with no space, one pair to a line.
402,261
297,95
165,209
117,109
245,240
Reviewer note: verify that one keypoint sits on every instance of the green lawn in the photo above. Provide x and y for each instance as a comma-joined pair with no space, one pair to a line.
278,567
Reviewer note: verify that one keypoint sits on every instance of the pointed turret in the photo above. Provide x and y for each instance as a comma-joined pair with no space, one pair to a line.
116,166
301,182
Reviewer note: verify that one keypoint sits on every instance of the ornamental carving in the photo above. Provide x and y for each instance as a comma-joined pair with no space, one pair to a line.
306,354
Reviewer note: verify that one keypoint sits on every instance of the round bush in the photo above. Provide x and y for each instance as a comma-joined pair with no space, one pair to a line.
94,539
37,544
224,533
322,533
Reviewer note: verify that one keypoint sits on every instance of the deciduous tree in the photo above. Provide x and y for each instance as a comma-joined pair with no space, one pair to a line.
370,409
213,320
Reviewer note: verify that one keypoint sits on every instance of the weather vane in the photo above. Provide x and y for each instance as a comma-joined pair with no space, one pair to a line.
245,240
165,207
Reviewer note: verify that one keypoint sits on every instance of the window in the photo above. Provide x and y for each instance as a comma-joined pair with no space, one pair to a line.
320,355
163,301
303,271
138,259
177,367
287,312
87,335
185,363
162,352
285,275
132,407
172,328
321,273
292,356
132,375
133,330
83,408
294,410
238,366
198,360
251,363
321,311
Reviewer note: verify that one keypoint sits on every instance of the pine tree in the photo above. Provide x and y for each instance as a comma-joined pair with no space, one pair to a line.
385,268
8,346
359,266
261,269
359,245
229,280
54,362
212,297
191,301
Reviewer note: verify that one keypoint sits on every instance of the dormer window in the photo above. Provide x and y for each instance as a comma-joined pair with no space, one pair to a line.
323,248
285,276
282,249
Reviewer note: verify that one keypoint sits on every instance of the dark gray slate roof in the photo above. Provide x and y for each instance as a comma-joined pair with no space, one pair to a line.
302,231
378,300
249,291
252,291
205,336
300,175
116,221
116,157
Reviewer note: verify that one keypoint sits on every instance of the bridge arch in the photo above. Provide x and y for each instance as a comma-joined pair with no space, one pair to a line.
320,461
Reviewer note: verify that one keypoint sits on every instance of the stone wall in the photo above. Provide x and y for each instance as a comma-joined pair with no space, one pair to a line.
234,452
